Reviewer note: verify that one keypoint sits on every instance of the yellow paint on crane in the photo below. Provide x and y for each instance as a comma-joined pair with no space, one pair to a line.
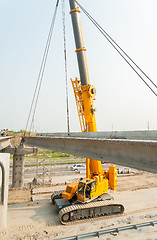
74,10
97,181
80,49
70,191
113,177
79,102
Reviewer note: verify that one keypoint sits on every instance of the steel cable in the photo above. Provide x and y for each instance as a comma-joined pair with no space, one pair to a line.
65,63
112,42
41,71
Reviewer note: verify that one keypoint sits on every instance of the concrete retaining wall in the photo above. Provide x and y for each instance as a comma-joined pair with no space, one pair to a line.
4,180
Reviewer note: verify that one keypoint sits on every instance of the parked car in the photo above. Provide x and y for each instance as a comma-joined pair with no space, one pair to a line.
77,167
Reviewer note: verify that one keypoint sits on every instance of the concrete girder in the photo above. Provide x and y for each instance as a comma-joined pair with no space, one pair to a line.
131,153
20,150
4,142
138,135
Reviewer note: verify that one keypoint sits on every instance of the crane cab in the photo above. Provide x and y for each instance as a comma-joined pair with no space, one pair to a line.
86,190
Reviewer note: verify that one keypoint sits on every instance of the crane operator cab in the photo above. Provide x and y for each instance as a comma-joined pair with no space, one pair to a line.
86,190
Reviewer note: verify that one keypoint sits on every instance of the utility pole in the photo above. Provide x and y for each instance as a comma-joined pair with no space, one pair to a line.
148,125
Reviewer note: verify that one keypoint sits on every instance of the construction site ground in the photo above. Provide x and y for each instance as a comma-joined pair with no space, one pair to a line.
31,214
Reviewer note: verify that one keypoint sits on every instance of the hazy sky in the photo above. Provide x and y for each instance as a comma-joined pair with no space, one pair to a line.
123,102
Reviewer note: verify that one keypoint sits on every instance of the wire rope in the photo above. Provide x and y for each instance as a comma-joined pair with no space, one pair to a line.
41,71
112,42
65,64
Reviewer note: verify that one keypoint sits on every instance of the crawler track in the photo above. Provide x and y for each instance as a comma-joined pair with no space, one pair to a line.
56,194
82,212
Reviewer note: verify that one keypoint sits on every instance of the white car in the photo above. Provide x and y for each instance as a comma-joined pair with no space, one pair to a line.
77,167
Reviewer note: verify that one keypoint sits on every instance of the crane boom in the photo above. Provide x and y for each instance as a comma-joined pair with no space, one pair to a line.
86,96
80,48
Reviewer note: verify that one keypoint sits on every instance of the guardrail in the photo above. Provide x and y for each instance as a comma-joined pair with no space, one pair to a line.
108,231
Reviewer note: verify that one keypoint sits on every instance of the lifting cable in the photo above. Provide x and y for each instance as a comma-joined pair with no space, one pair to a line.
41,71
118,49
65,62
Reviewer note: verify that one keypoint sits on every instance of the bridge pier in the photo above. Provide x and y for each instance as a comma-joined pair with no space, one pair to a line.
18,163
18,171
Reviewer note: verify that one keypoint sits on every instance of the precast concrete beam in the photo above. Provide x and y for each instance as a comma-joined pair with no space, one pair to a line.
139,154
138,135
20,150
4,142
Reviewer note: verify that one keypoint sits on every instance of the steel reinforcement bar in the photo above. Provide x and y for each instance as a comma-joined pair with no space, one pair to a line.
107,231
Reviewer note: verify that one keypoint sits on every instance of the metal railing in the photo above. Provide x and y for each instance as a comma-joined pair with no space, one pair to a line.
108,231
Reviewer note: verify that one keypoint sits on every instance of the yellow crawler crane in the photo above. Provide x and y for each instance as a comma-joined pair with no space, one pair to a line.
91,190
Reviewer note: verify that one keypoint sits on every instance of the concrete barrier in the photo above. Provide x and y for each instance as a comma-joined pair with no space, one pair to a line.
4,180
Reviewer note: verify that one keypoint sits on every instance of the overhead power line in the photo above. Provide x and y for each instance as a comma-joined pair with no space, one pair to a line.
118,49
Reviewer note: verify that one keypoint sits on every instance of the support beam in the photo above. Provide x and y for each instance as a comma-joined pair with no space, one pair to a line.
20,150
4,142
139,154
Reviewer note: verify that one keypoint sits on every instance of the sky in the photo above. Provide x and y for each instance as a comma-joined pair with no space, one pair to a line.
123,102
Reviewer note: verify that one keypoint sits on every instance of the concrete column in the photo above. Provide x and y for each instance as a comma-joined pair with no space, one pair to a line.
18,171
4,181
18,163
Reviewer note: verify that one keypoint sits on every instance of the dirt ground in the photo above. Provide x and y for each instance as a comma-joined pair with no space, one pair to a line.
39,219
140,180
19,195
